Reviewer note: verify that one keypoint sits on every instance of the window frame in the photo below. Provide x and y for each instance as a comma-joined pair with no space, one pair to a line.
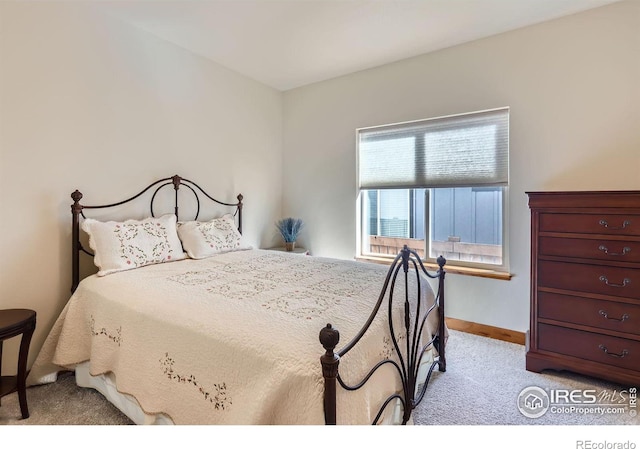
498,268
500,271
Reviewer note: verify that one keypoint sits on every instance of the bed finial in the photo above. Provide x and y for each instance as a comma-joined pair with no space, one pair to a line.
76,210
240,198
329,337
176,181
76,196
406,254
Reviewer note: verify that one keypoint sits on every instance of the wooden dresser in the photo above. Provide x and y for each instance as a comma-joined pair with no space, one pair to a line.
585,284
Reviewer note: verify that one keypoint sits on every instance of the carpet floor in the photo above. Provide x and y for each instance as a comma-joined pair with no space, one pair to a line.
481,386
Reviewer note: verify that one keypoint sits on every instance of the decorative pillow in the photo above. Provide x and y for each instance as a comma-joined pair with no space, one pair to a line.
202,239
120,246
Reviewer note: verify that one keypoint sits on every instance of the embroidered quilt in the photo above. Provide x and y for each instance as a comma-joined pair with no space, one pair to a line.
231,339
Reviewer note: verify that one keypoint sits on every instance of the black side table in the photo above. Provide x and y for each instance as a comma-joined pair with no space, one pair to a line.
14,322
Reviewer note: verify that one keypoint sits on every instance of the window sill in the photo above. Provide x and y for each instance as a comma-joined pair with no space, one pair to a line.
467,271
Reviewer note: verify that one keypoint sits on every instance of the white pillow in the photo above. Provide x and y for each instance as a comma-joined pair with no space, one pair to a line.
120,246
202,239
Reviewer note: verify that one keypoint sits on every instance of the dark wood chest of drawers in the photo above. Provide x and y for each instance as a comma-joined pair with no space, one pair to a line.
585,284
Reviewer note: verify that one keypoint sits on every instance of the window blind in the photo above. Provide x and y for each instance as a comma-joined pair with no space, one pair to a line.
467,150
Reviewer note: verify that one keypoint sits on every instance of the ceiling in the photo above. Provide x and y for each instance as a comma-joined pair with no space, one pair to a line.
287,44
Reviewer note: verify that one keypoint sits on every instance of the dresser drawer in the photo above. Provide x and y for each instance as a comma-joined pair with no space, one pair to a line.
590,346
606,315
610,250
590,223
605,280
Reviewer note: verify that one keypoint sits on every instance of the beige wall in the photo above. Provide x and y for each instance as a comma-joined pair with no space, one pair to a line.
573,86
88,102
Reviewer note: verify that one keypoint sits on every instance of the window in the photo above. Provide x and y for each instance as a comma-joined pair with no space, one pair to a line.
438,186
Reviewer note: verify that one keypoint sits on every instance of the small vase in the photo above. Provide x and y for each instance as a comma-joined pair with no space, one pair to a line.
289,246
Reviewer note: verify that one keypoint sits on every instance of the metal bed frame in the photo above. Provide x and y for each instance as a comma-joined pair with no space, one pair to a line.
406,263
409,358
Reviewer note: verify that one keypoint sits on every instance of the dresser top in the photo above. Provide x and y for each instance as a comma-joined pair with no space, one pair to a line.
625,199
585,199
584,192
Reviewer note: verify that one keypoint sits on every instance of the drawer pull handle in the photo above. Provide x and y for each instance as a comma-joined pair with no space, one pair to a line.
606,224
623,318
605,250
625,282
623,354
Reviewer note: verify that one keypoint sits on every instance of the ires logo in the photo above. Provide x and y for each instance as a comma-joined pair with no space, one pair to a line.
559,397
534,402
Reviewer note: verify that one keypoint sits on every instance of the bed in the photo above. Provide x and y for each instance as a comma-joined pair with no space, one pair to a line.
197,327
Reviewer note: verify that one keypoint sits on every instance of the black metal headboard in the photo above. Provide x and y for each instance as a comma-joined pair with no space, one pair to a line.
176,181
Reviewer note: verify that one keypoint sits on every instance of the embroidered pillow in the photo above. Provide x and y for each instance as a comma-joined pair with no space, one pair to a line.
119,246
202,239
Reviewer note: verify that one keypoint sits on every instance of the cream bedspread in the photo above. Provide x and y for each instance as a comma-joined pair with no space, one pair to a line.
232,339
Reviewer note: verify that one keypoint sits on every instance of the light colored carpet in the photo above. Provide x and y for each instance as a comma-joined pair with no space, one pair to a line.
61,402
483,380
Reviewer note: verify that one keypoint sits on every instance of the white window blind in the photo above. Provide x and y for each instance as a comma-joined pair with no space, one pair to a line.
467,150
